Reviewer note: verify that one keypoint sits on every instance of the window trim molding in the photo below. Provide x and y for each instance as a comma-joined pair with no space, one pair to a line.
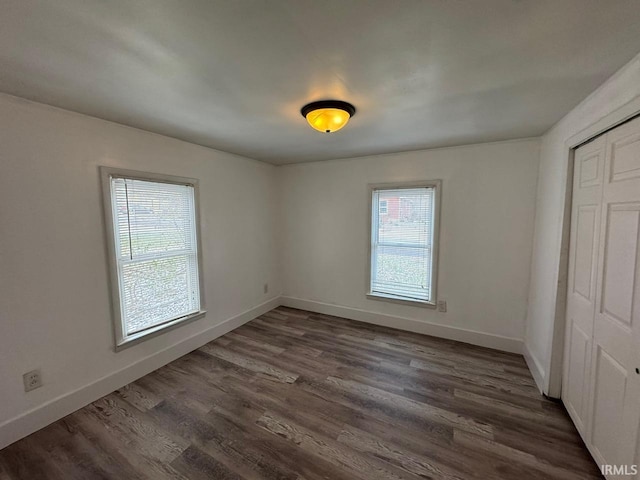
121,340
371,188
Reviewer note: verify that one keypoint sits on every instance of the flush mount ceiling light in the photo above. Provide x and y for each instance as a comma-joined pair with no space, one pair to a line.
328,116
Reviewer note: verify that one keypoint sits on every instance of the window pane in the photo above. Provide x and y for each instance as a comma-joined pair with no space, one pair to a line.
407,216
402,270
153,217
402,242
156,291
156,247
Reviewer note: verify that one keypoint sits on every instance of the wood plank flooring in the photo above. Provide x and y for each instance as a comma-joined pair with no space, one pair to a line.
303,396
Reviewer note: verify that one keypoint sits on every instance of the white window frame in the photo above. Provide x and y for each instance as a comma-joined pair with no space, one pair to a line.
122,340
437,195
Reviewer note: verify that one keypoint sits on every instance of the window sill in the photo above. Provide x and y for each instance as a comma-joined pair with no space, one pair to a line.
135,338
403,301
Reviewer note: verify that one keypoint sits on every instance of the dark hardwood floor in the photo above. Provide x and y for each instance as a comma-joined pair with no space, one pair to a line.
297,395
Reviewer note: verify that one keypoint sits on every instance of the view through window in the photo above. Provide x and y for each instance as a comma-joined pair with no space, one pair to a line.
156,254
402,242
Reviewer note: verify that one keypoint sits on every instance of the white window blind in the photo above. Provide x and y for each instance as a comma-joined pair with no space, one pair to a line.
402,242
156,252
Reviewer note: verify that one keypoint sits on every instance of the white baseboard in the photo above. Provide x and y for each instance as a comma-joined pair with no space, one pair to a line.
537,372
498,342
19,427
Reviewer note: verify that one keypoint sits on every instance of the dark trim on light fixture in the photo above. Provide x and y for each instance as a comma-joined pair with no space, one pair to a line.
339,104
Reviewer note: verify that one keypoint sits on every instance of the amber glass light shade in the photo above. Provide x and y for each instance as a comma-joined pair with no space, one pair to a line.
328,116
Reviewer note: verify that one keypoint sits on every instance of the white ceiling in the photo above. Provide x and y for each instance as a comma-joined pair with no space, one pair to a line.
233,75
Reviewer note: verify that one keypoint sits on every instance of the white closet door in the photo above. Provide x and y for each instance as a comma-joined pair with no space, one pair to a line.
589,167
614,390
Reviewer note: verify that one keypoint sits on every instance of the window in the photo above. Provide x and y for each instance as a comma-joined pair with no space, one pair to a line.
404,232
153,246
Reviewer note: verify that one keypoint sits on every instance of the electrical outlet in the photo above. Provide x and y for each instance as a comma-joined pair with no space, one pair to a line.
32,380
266,288
442,306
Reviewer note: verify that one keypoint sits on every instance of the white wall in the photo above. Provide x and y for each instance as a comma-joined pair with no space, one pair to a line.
487,216
546,307
54,296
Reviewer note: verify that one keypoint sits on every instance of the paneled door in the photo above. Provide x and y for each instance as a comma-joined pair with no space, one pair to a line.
615,385
601,383
589,163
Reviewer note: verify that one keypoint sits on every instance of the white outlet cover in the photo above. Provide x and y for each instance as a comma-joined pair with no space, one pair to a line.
32,380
